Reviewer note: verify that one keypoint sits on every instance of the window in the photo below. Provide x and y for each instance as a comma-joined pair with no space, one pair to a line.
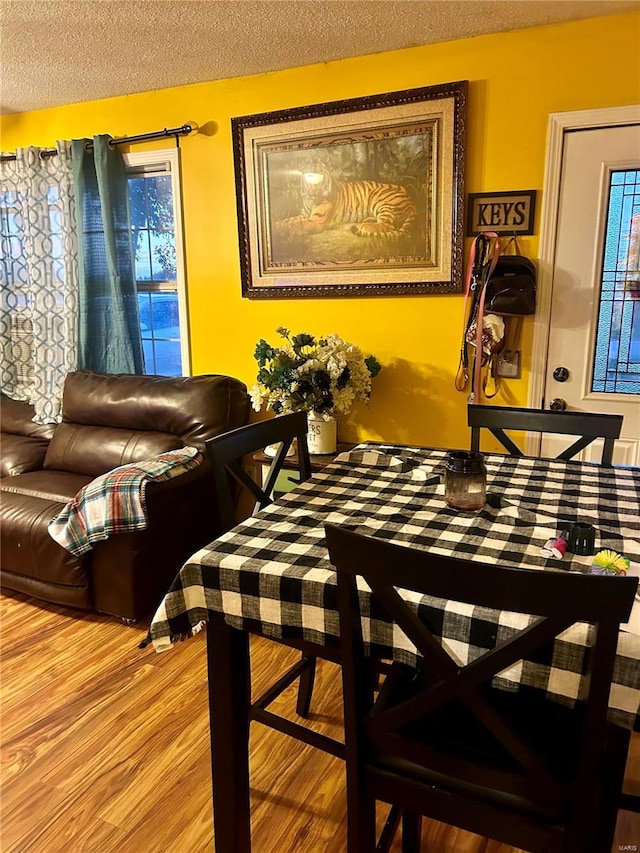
154,200
616,366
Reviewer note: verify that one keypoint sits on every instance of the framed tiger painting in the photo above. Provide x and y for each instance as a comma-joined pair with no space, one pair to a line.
360,197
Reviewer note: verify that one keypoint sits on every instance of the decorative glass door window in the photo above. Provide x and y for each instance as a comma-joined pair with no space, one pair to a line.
616,367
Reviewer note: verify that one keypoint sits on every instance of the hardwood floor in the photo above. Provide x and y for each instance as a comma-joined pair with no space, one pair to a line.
105,748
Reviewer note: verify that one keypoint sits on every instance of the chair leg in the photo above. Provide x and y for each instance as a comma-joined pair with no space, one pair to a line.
612,797
411,832
361,822
629,802
305,688
374,677
389,830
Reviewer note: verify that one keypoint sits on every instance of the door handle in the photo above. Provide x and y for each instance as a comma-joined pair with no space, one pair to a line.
558,404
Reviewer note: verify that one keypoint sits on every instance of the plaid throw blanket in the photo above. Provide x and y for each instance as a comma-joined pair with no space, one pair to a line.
115,502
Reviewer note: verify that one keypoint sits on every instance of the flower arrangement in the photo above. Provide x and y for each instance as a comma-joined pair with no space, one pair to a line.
324,375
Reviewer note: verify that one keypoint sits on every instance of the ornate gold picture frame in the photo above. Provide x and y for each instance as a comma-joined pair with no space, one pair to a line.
361,197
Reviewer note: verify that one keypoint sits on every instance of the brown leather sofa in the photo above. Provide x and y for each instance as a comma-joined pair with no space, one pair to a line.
108,421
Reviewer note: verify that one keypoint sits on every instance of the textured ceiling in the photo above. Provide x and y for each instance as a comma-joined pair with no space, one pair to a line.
55,52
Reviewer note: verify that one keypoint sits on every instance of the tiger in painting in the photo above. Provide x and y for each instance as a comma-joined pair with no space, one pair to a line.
373,208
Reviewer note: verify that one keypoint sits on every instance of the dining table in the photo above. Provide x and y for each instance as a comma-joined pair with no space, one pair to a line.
271,575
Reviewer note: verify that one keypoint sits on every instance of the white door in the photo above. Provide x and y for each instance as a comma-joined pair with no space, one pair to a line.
593,359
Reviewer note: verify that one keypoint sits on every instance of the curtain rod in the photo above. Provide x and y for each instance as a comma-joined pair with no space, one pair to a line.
183,130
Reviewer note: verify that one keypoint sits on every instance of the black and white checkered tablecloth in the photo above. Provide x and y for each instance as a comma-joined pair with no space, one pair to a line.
271,574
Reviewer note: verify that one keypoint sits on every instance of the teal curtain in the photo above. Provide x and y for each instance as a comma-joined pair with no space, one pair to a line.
109,339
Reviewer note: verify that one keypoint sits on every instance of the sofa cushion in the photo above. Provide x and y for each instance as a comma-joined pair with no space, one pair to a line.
194,408
58,486
94,450
20,453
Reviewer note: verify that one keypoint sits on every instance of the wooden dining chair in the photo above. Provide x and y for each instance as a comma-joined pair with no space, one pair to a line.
226,453
587,425
441,741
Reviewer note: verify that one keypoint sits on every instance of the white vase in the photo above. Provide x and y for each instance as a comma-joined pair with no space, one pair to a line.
321,434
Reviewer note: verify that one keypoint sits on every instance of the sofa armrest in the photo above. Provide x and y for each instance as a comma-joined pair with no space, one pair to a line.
115,502
20,454
131,572
188,499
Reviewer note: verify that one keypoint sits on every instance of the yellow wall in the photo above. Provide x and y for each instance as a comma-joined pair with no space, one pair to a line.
515,80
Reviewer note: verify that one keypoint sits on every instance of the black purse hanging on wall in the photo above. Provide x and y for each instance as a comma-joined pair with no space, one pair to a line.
511,289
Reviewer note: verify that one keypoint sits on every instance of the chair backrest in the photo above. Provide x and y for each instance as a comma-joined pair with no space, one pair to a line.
410,729
587,425
226,453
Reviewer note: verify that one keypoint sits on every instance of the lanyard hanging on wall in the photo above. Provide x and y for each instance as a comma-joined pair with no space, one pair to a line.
483,258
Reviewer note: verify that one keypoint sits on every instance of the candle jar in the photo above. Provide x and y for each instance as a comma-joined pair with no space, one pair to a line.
582,539
465,480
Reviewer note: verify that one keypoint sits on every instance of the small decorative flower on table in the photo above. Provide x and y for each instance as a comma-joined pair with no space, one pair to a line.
322,376
609,563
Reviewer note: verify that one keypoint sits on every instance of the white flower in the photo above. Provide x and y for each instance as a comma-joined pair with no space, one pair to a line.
255,393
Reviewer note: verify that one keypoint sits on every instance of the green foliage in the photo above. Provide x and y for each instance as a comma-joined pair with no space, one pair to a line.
373,365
